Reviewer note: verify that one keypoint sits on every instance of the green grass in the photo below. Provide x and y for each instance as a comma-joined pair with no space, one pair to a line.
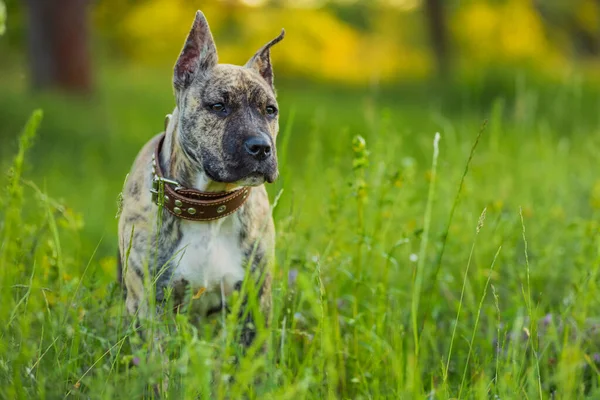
396,276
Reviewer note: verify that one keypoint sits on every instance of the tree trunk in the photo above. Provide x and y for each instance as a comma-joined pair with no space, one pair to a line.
436,21
41,64
58,45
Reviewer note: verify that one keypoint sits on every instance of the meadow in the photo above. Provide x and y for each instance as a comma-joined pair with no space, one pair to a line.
408,265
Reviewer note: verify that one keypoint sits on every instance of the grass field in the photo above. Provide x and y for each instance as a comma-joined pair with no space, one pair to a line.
464,269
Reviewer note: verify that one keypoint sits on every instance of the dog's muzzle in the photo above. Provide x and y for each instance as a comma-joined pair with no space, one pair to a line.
260,150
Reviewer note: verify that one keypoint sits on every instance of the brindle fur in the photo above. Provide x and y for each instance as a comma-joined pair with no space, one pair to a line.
203,150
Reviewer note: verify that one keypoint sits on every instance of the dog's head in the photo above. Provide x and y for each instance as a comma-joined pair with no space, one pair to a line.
228,114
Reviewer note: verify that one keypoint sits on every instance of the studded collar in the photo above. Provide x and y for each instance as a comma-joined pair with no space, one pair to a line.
192,204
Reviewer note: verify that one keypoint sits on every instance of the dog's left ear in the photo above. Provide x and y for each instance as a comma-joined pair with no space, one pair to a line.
261,61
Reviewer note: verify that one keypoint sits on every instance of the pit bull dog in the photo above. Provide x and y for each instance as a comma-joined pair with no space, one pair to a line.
195,218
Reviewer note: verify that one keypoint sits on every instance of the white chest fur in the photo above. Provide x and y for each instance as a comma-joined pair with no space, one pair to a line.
209,255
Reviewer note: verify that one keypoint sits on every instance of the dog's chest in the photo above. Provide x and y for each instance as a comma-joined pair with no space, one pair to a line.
209,255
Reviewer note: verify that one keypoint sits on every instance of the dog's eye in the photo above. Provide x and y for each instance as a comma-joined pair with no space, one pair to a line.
218,107
271,110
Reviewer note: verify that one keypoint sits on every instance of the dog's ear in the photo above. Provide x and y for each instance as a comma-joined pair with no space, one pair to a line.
261,61
198,55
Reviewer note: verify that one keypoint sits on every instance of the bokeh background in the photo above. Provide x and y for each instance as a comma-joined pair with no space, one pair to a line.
101,70
379,251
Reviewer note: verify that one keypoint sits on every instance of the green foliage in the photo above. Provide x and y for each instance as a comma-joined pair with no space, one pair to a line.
362,41
2,17
362,222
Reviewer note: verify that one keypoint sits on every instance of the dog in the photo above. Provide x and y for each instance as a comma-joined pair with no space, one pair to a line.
195,219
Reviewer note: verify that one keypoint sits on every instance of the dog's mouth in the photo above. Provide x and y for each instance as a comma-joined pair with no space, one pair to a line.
258,178
270,174
254,179
211,176
243,178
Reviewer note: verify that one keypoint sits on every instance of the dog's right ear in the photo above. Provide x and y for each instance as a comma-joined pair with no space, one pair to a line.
199,54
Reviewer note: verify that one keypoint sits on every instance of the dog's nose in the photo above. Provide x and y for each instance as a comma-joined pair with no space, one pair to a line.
258,147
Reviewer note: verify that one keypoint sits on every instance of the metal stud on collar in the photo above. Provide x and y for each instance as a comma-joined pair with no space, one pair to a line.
221,209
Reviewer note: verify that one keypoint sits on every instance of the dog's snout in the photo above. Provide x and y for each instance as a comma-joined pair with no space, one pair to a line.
258,147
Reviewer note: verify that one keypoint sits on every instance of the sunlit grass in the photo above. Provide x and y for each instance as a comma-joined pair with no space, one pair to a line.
506,311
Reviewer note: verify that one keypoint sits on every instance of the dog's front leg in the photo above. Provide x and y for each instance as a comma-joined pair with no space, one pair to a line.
136,301
146,316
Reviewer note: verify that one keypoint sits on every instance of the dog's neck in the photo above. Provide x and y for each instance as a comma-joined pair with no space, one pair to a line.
179,167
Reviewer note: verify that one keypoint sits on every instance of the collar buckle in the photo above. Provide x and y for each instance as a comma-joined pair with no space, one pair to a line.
158,191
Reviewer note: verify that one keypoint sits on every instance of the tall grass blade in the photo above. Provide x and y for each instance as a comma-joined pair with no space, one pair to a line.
418,281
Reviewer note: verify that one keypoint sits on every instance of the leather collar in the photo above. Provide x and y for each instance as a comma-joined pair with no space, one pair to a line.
192,204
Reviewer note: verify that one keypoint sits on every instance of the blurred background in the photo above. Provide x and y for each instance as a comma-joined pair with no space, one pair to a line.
66,44
101,71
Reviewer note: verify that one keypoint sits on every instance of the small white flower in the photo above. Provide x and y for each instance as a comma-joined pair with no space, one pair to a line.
413,257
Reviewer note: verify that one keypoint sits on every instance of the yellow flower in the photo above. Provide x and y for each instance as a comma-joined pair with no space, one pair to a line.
199,293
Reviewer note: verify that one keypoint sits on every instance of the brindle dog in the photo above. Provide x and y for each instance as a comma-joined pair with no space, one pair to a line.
220,138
